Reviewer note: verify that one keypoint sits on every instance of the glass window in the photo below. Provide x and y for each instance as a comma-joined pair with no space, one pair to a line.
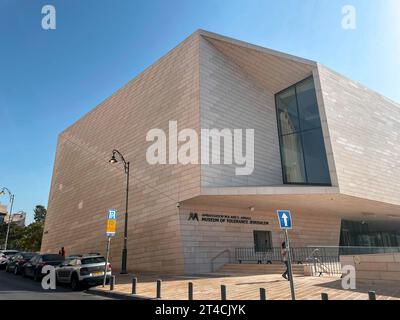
287,111
292,156
93,260
316,163
308,106
300,135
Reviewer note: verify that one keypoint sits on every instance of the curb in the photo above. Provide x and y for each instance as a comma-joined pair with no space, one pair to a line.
117,295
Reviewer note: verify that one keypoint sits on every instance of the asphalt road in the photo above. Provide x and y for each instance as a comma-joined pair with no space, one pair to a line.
14,287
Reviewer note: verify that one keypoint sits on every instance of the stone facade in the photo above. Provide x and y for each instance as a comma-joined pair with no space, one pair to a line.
209,81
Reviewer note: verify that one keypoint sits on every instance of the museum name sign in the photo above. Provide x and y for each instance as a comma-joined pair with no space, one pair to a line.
194,216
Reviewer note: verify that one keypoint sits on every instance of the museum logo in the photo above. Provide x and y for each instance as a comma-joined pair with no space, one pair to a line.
217,146
193,216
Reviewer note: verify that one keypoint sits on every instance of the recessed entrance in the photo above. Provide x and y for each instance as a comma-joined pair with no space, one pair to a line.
262,240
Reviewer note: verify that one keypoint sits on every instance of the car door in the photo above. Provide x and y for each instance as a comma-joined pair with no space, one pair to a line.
13,262
28,267
71,267
62,271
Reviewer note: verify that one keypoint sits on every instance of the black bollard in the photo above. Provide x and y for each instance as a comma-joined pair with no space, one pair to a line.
223,292
371,295
263,295
159,289
190,290
324,296
134,285
112,283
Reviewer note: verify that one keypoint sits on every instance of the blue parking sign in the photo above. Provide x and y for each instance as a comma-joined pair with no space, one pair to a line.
285,219
112,214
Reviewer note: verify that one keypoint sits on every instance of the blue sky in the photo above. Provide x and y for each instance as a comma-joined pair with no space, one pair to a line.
49,79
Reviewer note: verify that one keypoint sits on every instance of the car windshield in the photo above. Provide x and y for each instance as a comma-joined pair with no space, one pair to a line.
93,260
28,255
52,257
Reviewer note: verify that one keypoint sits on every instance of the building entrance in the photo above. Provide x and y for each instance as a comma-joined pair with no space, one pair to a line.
262,240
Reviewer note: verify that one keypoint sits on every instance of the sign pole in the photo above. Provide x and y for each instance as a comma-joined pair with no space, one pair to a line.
107,256
290,265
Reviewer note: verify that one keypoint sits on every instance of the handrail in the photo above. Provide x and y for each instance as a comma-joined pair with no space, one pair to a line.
217,256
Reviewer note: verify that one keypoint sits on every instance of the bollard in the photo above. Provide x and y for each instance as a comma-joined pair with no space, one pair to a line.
190,290
223,292
112,282
324,296
371,295
134,284
263,295
159,289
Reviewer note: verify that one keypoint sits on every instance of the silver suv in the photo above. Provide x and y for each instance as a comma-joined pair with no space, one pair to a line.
81,270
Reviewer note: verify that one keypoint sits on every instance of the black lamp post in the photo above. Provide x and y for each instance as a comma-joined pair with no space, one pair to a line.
3,191
126,169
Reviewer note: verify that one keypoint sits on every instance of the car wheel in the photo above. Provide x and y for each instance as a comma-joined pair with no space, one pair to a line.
15,270
75,283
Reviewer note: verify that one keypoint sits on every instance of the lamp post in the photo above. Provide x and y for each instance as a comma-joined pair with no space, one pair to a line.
3,191
126,169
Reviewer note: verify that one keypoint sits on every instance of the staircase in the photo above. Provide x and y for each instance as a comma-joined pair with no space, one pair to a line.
275,268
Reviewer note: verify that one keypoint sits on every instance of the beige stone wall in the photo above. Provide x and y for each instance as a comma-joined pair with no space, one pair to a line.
202,241
375,268
364,131
230,99
85,185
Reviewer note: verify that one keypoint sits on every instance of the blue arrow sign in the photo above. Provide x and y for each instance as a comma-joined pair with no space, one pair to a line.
285,219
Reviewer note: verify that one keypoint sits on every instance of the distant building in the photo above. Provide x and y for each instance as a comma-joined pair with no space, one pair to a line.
18,218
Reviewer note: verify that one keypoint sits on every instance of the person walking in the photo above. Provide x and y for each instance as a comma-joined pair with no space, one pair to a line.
62,252
284,254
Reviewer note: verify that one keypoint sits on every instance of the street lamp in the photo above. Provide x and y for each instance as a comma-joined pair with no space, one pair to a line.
126,169
3,191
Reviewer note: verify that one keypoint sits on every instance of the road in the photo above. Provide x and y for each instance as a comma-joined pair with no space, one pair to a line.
14,287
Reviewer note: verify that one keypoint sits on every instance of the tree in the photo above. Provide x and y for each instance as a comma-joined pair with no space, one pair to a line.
31,239
27,238
40,213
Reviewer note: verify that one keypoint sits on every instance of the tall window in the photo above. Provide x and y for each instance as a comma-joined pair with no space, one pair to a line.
300,135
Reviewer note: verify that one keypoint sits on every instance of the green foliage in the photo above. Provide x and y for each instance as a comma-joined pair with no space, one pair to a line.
40,213
27,238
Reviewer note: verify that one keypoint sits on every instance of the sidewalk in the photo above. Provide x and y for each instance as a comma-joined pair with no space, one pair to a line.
242,287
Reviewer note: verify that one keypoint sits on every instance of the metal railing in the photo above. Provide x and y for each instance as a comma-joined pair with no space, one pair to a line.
322,259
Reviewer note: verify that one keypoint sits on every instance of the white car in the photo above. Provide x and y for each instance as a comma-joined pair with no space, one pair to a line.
5,255
84,269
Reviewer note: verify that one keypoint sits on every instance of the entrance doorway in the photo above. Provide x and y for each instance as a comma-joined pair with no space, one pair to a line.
262,241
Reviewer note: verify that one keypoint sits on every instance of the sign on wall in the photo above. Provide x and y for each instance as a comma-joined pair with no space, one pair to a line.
221,218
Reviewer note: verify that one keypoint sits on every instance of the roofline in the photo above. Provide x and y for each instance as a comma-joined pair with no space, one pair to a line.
248,45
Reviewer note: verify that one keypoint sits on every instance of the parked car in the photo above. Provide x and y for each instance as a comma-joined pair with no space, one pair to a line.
5,255
33,268
17,261
87,270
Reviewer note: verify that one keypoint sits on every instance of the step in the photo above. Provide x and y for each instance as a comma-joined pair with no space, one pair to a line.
259,268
